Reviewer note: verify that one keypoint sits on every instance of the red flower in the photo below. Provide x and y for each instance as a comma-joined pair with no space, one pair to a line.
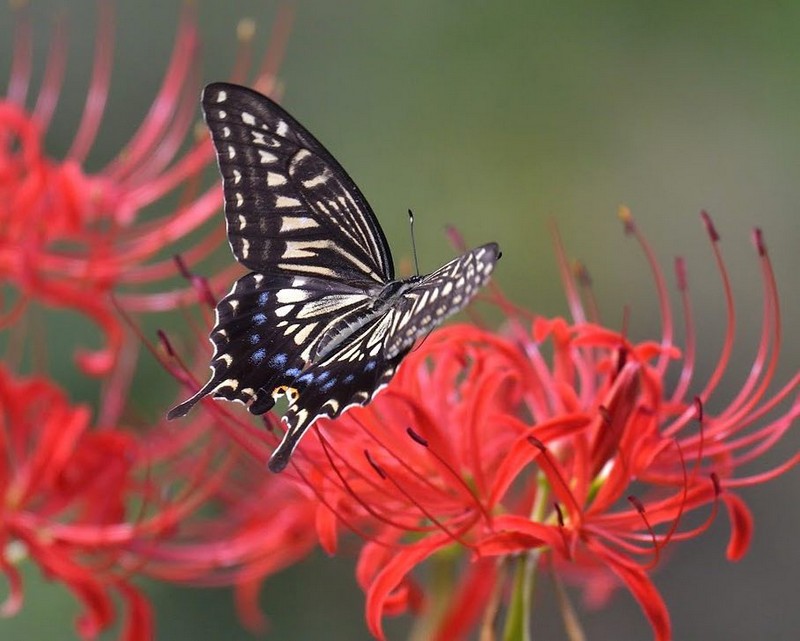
95,506
92,499
582,460
64,488
69,237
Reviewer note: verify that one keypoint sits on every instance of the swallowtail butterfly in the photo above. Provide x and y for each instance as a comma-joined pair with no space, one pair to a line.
320,319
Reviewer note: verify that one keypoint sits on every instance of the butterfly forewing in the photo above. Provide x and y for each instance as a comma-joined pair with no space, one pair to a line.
438,295
320,319
289,205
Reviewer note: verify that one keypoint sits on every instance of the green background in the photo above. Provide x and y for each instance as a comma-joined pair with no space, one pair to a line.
498,117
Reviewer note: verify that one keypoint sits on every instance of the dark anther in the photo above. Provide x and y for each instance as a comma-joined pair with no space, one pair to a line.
622,358
698,408
559,514
165,343
637,504
758,239
416,437
536,443
715,481
712,231
377,467
182,267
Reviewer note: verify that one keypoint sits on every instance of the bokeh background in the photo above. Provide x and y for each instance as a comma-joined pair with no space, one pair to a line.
498,117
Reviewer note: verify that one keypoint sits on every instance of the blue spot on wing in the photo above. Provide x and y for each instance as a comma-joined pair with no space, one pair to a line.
254,339
259,319
370,366
349,378
306,378
258,356
263,298
293,372
323,376
279,360
329,385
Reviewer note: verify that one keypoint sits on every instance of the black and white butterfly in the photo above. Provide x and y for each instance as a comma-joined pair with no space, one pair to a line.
321,319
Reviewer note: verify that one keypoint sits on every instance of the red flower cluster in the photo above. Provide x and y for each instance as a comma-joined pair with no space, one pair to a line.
69,238
550,443
94,506
583,460
93,498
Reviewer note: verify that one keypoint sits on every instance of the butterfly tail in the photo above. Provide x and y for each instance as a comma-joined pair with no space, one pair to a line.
183,408
280,457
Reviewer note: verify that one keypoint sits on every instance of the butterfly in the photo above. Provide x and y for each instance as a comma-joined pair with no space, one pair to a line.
320,319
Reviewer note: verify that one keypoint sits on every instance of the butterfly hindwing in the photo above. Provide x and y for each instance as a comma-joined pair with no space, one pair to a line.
289,205
265,333
349,376
354,373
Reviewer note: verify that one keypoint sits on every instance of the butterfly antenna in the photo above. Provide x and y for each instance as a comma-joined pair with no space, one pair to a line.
413,240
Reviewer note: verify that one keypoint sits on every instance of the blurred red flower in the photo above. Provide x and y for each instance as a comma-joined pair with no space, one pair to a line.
96,506
96,497
68,236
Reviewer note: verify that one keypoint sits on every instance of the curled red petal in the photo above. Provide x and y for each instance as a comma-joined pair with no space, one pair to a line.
741,526
392,576
642,589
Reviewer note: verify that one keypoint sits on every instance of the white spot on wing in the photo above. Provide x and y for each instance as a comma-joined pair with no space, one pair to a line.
222,96
275,179
316,181
310,269
293,223
304,333
248,118
286,201
291,295
230,382
266,157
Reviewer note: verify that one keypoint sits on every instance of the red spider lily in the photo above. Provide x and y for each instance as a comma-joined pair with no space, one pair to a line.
95,503
68,236
94,507
64,489
582,461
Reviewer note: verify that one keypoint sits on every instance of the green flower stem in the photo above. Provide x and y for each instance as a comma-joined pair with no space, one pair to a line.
520,609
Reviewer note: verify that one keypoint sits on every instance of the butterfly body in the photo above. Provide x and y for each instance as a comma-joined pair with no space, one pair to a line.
321,319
